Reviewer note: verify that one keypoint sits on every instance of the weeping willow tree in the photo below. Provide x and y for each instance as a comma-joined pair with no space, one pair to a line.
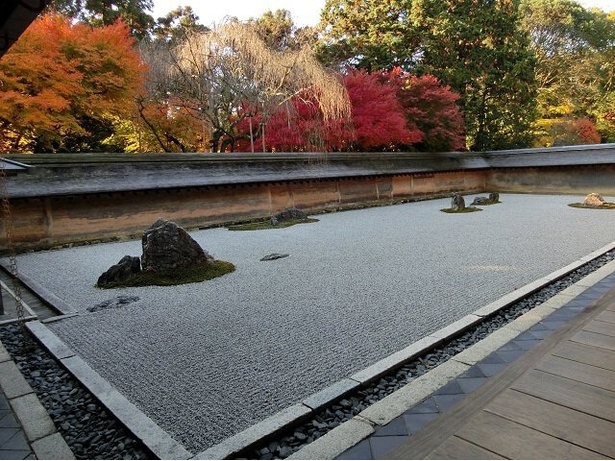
229,74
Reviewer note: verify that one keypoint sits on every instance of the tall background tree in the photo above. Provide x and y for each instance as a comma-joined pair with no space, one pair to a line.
474,46
97,13
367,34
478,48
575,50
64,84
229,73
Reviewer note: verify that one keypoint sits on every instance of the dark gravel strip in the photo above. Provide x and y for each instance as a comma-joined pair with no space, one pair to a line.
89,429
345,409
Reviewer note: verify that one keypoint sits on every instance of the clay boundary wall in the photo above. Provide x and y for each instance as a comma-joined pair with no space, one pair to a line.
72,199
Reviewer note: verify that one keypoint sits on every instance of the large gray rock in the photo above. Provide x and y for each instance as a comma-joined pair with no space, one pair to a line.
167,247
594,200
120,272
457,202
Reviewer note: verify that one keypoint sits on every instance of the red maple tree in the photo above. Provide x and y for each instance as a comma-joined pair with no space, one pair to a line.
431,108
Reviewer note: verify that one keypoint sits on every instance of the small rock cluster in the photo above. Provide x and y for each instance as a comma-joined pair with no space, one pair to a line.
166,247
492,199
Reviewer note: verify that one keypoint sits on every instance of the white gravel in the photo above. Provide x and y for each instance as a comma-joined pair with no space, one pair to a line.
207,360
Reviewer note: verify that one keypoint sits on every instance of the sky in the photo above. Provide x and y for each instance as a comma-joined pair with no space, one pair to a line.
303,12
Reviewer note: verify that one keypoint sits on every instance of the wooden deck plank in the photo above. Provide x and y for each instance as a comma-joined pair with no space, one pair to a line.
564,402
594,339
515,441
456,448
597,326
604,328
558,421
581,372
569,393
606,316
586,354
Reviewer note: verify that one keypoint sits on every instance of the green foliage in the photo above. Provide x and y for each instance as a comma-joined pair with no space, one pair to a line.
278,31
366,34
106,12
476,47
177,24
194,274
575,50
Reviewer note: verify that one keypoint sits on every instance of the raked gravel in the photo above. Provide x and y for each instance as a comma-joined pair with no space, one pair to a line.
208,360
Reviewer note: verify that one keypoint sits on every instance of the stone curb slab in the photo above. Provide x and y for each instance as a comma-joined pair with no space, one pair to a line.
4,355
253,434
12,381
323,398
34,418
52,447
337,440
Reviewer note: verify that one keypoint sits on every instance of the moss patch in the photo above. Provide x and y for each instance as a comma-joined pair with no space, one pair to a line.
260,225
194,274
605,206
468,209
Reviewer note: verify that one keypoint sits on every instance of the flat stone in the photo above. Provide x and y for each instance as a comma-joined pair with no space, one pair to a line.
4,355
331,393
12,381
154,437
269,426
483,348
573,291
525,322
33,417
457,327
52,343
392,361
52,447
336,441
394,405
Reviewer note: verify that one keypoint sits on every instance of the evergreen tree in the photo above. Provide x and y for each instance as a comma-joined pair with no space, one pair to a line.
477,47
368,34
97,13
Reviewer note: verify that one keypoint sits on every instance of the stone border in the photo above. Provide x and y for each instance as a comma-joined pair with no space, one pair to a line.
351,432
44,439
